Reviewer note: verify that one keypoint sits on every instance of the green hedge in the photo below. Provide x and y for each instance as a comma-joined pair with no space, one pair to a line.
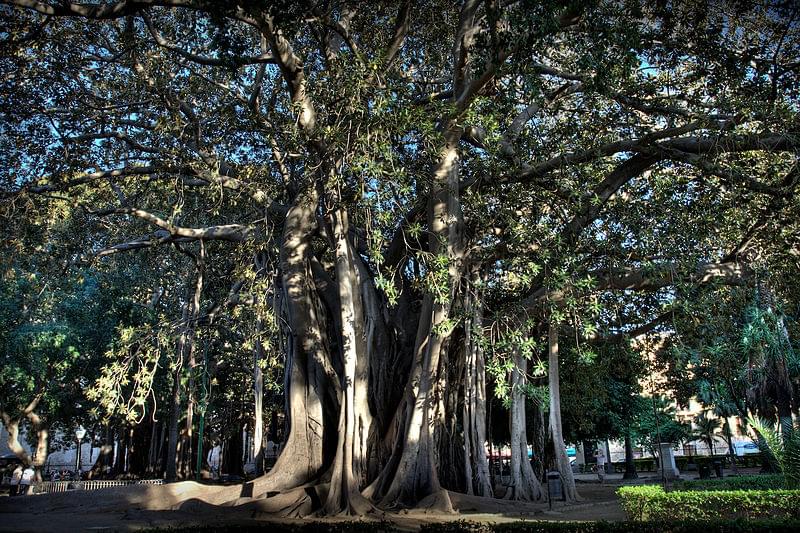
648,464
653,503
522,526
716,526
754,482
683,461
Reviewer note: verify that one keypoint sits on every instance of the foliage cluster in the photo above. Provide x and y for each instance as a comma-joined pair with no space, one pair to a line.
522,526
760,482
782,448
671,526
649,502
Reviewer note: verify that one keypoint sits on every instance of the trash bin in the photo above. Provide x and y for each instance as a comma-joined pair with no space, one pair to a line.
555,489
705,470
718,467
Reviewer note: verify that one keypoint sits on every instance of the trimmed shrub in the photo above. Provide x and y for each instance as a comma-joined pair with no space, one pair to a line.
522,526
653,503
716,526
751,460
645,465
754,482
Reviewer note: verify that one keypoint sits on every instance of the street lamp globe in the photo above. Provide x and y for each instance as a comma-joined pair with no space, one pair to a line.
80,432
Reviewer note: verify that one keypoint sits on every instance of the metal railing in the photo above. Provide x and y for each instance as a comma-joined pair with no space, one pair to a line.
50,487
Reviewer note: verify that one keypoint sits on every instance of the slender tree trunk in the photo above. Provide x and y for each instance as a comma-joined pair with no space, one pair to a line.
476,465
118,466
726,431
105,458
630,465
524,484
191,362
160,454
151,453
258,405
175,403
175,414
562,461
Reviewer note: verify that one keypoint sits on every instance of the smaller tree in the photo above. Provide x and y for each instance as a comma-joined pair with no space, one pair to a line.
707,429
659,424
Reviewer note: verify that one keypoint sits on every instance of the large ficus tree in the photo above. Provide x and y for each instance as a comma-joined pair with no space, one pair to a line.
401,175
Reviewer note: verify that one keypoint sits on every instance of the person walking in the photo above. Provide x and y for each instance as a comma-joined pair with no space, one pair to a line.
601,464
26,481
16,476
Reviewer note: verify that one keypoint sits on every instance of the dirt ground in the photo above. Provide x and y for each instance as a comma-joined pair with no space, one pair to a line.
141,507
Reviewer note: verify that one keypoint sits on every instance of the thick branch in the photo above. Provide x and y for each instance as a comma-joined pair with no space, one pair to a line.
203,60
730,273
229,232
97,11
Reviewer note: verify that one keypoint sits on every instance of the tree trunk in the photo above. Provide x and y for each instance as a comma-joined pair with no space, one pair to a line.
349,463
175,404
562,461
258,403
191,362
448,401
630,465
105,459
234,450
118,466
539,441
308,372
12,427
175,414
151,453
476,465
726,431
415,477
524,484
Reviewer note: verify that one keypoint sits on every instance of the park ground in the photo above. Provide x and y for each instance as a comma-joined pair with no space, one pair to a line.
106,510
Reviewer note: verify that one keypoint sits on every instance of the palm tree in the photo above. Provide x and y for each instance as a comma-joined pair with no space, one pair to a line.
707,428
781,447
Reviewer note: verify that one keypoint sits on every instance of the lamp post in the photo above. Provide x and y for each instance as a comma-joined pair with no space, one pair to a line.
80,432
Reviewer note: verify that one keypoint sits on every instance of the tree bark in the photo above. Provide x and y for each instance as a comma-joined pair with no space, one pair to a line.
258,403
524,484
175,403
105,459
476,465
415,477
349,462
630,465
308,372
12,425
726,431
562,461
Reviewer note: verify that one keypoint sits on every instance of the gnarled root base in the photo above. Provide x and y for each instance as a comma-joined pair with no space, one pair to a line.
438,502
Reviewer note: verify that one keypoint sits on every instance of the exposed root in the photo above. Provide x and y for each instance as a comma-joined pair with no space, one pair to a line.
438,502
357,505
297,503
